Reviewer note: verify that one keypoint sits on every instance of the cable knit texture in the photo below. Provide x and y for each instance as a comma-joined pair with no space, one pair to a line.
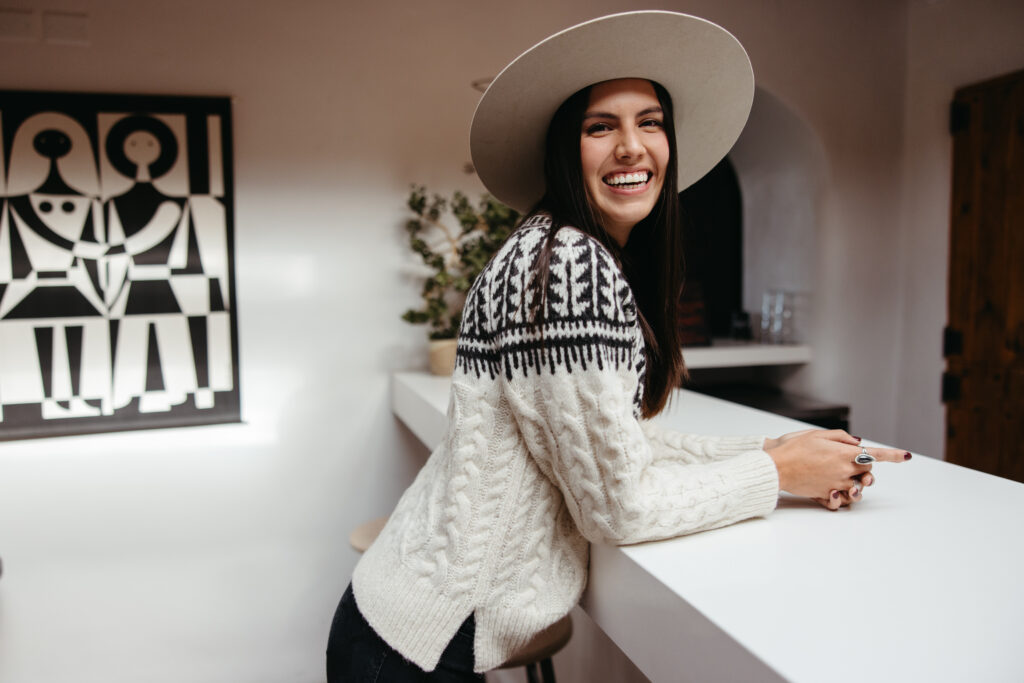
545,452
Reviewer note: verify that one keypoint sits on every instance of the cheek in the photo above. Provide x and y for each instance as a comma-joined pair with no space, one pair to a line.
590,159
661,153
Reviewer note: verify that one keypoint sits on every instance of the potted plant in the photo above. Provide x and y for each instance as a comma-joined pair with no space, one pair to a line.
453,258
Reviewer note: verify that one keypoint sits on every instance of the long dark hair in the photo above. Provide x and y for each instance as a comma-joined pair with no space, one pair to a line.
652,259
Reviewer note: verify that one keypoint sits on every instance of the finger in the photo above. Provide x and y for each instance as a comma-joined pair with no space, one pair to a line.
831,501
853,469
854,493
889,454
860,468
866,479
840,435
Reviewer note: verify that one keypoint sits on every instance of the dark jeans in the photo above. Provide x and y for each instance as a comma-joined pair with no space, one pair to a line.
356,654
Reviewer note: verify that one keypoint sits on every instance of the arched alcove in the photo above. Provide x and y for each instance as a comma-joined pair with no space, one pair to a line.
781,167
712,219
750,225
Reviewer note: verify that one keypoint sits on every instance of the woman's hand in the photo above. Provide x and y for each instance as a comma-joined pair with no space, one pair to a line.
819,464
773,443
838,499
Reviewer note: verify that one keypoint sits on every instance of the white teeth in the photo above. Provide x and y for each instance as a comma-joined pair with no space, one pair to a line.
627,178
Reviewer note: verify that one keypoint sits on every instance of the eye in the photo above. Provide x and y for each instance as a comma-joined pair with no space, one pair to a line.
597,128
651,123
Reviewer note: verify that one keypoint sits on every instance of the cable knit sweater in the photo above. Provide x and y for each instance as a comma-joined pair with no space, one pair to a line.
545,453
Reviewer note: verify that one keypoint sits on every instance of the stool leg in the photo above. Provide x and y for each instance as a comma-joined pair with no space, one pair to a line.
547,670
531,673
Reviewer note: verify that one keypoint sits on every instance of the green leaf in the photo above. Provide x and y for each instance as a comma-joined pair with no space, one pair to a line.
417,199
414,317
483,228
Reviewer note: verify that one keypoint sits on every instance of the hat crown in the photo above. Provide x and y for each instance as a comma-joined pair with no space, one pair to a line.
702,66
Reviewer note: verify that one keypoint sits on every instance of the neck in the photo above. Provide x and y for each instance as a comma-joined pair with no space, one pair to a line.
619,232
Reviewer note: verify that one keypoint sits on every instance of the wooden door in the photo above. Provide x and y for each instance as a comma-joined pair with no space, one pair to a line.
984,382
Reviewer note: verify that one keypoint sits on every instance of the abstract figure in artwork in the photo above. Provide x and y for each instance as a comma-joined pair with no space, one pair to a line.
159,290
51,233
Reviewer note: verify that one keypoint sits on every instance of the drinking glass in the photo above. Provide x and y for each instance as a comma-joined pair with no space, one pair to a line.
777,317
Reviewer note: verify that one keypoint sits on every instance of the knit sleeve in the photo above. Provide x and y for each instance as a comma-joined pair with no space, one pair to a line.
668,443
577,406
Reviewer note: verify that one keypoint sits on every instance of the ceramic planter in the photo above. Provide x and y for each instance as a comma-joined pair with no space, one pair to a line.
442,356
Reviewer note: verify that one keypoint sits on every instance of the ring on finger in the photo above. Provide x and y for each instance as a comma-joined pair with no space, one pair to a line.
864,458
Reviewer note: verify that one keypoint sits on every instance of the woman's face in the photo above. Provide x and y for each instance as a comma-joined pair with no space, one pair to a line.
624,153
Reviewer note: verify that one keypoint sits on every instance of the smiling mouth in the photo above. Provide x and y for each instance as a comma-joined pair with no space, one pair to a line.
628,181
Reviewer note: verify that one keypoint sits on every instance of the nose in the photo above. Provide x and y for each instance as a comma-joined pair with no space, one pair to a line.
630,145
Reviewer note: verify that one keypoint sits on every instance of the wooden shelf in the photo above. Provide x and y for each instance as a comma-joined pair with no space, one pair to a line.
728,353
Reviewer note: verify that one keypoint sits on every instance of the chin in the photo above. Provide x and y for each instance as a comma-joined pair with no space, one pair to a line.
632,217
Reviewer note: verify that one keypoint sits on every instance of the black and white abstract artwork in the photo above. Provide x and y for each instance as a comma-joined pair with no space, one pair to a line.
116,263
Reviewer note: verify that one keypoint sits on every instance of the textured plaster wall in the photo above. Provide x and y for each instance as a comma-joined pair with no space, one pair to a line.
950,44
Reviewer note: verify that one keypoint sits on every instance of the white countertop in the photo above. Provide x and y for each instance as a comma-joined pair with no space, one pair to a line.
921,581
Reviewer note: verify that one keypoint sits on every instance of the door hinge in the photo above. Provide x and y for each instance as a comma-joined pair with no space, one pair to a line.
952,342
950,387
959,117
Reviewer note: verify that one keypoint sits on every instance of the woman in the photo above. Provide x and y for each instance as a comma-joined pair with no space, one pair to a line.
567,347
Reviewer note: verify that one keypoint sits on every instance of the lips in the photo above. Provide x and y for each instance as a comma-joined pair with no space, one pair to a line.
631,180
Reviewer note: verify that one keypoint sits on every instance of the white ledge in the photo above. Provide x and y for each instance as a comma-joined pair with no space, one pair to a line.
919,582
727,353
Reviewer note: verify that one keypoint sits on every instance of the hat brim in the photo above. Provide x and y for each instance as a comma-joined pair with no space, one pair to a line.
701,65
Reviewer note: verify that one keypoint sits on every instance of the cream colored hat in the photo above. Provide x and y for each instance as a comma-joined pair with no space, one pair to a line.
702,66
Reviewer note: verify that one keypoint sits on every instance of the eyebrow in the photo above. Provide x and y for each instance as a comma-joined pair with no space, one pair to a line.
606,115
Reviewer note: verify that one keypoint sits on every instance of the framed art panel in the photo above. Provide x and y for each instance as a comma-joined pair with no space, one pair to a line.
117,291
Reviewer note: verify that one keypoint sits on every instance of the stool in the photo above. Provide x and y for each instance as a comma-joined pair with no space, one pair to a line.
539,651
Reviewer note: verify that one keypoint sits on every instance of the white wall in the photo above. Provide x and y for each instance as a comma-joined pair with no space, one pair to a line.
782,173
217,553
951,43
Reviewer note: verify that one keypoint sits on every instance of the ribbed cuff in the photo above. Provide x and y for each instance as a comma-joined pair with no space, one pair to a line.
757,483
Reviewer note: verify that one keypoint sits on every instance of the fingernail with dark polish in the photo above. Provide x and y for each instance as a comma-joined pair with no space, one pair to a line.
835,494
857,438
907,456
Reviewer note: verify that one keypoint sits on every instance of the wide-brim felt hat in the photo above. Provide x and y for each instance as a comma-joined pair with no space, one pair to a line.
702,66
